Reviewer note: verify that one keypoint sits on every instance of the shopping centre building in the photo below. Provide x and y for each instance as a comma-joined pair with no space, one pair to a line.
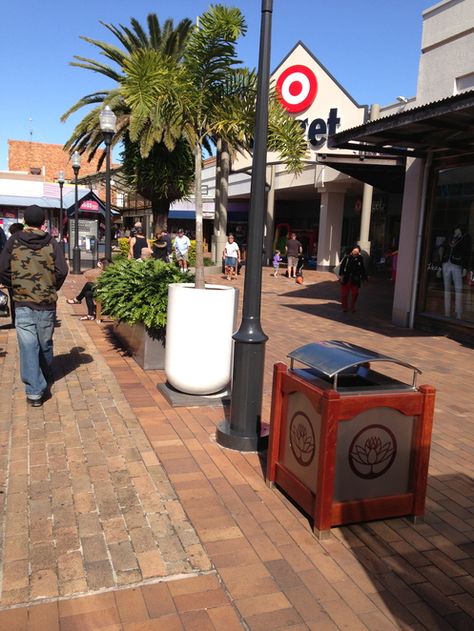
397,179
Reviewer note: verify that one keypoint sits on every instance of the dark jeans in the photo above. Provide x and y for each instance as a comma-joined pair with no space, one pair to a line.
88,294
34,330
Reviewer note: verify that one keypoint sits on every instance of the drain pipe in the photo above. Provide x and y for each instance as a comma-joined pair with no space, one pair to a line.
419,239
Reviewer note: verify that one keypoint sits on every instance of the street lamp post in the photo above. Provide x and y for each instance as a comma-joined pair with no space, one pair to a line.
243,430
107,125
76,252
61,209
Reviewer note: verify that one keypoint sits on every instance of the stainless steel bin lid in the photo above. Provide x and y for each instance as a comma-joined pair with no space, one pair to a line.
333,357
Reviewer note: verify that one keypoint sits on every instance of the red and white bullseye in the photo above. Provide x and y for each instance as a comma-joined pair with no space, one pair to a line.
297,87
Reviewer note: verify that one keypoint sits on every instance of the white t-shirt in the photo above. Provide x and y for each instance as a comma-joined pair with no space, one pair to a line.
182,244
231,250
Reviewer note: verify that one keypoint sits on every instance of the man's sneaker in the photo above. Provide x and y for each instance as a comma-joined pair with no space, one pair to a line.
34,403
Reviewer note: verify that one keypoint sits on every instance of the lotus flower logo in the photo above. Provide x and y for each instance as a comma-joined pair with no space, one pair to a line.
302,441
372,451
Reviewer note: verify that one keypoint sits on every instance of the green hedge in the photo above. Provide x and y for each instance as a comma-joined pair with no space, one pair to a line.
137,291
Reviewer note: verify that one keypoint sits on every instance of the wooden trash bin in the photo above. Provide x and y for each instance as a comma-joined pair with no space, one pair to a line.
347,443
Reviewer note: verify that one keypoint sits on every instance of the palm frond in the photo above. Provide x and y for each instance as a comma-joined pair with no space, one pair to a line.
110,51
89,99
96,66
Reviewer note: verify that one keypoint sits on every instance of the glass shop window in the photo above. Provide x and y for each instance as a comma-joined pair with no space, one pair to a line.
450,261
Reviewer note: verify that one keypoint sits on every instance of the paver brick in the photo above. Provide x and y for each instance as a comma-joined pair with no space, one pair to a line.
99,574
123,556
365,576
131,606
151,563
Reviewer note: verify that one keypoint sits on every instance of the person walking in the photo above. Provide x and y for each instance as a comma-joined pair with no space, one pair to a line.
181,249
231,256
293,249
33,264
14,228
3,238
276,262
137,242
162,246
351,273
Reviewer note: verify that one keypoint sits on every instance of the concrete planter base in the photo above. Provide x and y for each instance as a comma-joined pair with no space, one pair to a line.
148,352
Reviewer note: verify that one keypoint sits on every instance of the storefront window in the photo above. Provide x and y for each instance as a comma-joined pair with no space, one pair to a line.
450,258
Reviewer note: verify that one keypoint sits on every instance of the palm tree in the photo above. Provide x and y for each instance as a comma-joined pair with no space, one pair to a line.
162,176
203,97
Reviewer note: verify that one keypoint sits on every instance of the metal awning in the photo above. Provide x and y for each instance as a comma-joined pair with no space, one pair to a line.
444,127
333,357
383,172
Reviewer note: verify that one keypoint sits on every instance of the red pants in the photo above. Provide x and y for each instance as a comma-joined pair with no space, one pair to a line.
345,290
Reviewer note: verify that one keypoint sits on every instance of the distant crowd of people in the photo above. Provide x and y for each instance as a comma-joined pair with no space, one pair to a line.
33,269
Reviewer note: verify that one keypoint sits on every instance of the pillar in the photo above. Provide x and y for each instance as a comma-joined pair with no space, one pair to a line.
330,228
270,215
367,201
407,249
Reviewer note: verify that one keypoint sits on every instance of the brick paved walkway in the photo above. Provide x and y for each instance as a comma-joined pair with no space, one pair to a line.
263,560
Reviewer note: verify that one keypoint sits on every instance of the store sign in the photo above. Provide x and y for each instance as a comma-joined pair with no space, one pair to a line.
307,91
319,128
90,205
297,87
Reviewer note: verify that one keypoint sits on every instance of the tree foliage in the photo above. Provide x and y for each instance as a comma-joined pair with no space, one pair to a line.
161,45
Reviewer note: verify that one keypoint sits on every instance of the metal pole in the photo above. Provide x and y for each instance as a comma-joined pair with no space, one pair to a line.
243,431
76,252
108,241
61,216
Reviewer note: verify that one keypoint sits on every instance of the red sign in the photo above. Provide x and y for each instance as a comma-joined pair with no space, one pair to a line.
89,204
297,87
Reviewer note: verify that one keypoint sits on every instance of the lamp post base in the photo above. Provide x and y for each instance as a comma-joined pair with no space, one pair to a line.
227,438
76,261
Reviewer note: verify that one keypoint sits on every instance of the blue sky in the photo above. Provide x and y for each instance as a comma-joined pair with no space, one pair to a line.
371,47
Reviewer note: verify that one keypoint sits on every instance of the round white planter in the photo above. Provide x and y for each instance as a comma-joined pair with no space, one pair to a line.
199,341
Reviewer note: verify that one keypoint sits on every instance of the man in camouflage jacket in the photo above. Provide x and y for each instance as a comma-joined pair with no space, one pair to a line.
33,265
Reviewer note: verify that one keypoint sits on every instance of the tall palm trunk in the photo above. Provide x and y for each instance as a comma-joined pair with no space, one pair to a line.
160,210
222,195
199,282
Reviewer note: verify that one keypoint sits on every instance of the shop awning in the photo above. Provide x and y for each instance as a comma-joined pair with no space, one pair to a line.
181,214
382,172
444,127
190,214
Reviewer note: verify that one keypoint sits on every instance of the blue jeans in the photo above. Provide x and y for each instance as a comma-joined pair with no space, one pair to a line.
34,330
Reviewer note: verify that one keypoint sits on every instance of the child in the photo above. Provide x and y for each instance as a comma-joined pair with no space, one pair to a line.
276,262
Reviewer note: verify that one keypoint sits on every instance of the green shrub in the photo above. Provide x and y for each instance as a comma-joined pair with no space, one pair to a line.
137,291
124,246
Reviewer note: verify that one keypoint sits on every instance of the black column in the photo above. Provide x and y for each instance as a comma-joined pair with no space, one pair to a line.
243,431
76,252
61,217
108,237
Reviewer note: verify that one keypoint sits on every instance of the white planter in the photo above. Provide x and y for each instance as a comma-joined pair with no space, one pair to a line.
199,341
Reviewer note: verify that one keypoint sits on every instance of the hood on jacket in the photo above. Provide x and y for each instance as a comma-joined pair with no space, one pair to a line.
33,238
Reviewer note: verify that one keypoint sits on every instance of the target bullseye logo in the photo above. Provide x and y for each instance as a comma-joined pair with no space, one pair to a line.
297,87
